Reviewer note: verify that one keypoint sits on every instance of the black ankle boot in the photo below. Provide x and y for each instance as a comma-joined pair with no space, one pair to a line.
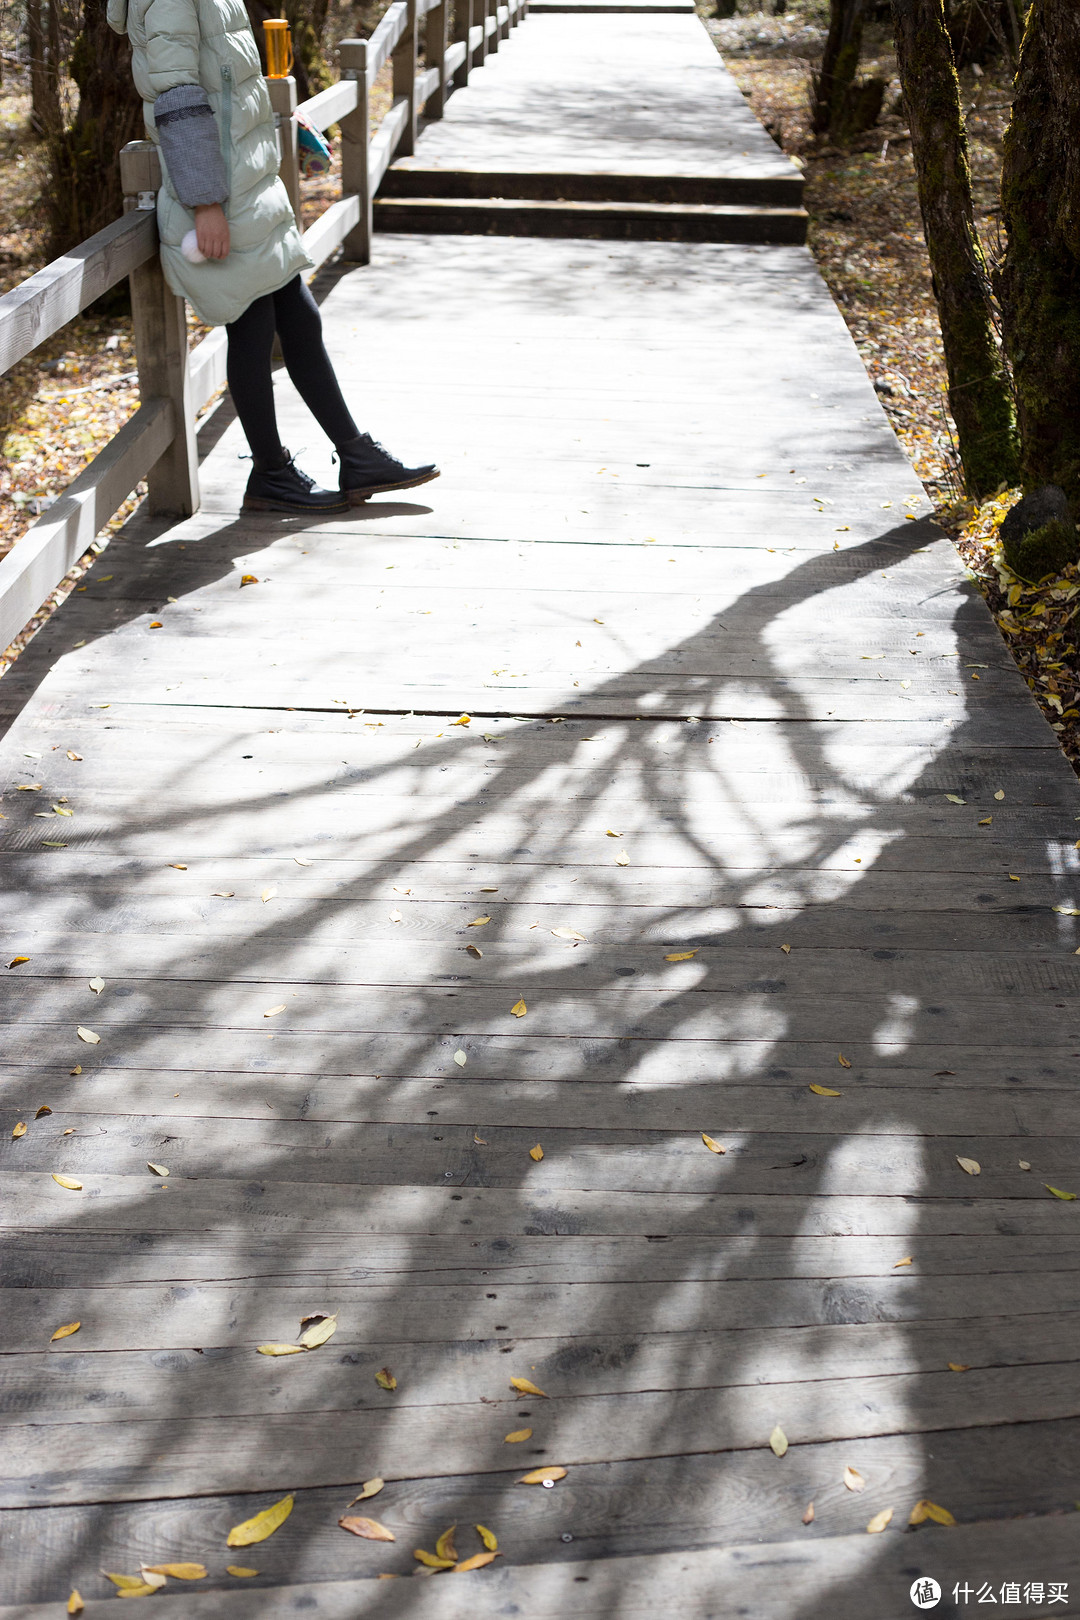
368,469
285,488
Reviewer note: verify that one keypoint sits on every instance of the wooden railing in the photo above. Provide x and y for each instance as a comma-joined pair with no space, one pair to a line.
158,443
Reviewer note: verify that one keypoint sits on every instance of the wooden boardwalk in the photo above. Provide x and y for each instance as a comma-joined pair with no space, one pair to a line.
749,782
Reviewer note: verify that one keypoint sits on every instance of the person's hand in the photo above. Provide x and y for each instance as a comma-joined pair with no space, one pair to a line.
212,231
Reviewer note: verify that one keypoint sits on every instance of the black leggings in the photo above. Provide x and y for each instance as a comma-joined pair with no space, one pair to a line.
294,315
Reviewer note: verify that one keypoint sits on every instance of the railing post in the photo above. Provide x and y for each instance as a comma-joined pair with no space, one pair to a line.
435,52
404,60
462,24
161,349
283,101
355,143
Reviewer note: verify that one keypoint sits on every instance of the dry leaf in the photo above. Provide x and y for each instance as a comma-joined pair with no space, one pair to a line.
954,798
179,1572
66,1331
75,1604
906,1261
302,860
622,858
262,1525
87,1035
972,1167
612,834
487,1537
842,1060
825,1091
778,1441
478,922
76,1070
320,1329
97,986
569,933
19,1129
540,1476
786,949
681,956
430,1561
280,1349
461,1058
157,1169
536,1153
474,950
959,1366
248,579
444,1547
144,1588
178,866
519,1009
223,894
272,1012
987,821
477,1561
124,1583
1057,1192
925,1509
511,1439
854,1480
16,960
367,1529
393,916
44,1109
525,1386
240,1572
1000,794
385,1379
481,1141
879,1522
712,1145
1025,1164
462,720
808,1516
268,894
68,1182
371,1487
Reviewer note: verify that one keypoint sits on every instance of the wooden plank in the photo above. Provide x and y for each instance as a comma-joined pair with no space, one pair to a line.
62,534
332,228
331,105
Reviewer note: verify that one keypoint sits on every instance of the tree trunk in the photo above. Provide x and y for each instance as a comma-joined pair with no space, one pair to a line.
979,394
839,64
1040,281
84,193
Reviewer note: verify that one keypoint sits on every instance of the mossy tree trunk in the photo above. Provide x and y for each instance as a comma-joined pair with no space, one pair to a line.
84,192
1040,281
980,396
839,65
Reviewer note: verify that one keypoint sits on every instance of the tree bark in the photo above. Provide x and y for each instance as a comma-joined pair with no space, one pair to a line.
1040,280
980,397
84,194
839,64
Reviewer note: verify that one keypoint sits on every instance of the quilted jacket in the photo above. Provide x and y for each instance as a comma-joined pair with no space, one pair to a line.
209,43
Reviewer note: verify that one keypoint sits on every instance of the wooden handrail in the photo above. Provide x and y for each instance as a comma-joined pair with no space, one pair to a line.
158,443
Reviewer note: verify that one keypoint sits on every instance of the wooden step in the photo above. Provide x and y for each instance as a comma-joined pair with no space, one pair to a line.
411,177
598,6
656,222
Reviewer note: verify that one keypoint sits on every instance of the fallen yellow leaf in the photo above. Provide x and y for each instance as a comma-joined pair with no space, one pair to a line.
1057,1192
612,834
268,894
87,1035
622,858
371,1487
444,1547
272,1012
15,961
66,1331
842,1060
536,1153
124,1583
75,1604
97,985
240,1572
569,933
44,1109
179,1572
925,1509
280,1349
474,950
487,1537
987,821
478,922
906,1261
854,1480
367,1529
954,798
513,1438
157,1169
430,1561
959,1366
477,1561
778,1440
385,1379
317,1330
248,579
525,1386
971,1167
712,1145
261,1525
540,1476
144,1588
681,956
519,1009
825,1091
68,1182
786,949
808,1516
19,1129
879,1522
462,720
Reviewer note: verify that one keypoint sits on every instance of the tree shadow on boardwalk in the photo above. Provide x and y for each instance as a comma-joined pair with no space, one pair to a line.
674,1304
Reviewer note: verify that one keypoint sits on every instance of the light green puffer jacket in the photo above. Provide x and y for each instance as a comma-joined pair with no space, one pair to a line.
210,43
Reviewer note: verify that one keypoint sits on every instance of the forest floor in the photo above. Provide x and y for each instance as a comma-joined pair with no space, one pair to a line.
60,405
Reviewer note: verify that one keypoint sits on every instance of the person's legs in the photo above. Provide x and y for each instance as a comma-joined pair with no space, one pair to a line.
299,326
251,342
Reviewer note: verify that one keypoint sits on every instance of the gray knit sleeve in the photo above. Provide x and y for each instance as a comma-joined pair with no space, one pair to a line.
188,132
